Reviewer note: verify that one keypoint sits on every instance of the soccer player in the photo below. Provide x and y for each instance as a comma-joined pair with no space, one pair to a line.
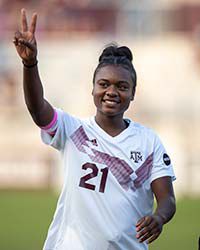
113,166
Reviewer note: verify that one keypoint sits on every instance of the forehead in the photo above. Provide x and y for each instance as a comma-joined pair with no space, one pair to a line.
113,72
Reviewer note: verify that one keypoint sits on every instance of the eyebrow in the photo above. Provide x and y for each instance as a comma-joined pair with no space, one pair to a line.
106,80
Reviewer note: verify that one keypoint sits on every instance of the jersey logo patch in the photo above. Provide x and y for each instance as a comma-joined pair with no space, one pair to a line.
94,142
136,156
124,174
166,159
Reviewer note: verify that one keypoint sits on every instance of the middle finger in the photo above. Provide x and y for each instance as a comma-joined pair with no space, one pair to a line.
33,23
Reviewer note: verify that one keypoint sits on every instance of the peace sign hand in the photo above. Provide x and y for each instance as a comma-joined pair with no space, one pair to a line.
25,41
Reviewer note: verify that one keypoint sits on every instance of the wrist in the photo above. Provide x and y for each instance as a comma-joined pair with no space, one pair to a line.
160,218
30,64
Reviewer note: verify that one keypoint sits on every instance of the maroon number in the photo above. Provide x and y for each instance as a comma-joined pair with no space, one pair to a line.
83,181
103,179
86,177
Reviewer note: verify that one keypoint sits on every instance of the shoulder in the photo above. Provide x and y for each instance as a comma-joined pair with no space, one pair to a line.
69,122
143,130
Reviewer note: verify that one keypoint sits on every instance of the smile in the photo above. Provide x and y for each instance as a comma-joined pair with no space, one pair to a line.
111,101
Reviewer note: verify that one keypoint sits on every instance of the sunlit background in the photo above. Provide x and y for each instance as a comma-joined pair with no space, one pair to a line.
164,37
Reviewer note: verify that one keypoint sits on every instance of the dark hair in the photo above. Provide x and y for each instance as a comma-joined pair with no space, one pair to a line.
115,55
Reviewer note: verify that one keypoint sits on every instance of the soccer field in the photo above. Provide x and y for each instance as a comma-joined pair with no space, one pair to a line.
25,217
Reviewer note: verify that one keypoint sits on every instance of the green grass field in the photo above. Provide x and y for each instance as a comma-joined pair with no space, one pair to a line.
25,217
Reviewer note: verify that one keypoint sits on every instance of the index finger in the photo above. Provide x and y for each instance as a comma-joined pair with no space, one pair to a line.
24,25
145,221
140,221
33,23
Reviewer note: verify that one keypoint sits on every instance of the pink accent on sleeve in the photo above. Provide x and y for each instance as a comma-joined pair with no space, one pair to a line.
52,123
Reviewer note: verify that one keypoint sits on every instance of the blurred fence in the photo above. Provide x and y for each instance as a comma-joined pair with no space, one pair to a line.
165,41
167,100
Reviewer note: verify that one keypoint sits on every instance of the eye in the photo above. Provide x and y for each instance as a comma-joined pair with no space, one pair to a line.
123,87
104,84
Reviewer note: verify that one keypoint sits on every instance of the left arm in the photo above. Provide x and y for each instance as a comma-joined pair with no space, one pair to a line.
149,227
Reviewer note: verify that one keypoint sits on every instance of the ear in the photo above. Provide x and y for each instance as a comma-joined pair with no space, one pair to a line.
133,95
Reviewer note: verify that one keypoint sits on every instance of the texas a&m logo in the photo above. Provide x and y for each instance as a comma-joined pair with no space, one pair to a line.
136,156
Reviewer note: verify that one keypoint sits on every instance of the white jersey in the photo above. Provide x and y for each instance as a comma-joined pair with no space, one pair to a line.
106,184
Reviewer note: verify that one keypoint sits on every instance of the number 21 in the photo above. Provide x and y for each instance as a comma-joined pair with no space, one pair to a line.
83,181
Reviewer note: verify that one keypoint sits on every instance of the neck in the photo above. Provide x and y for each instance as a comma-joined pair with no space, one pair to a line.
111,125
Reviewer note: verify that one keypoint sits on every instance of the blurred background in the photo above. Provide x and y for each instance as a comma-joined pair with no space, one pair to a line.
164,37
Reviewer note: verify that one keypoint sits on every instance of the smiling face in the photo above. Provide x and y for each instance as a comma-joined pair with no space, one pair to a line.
113,90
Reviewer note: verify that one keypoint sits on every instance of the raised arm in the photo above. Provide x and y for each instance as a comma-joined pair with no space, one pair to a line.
26,46
150,227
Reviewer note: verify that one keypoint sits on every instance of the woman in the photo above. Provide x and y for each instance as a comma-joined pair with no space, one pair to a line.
113,167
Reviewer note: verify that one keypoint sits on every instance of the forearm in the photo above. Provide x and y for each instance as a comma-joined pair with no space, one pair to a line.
33,90
40,110
165,198
166,209
149,227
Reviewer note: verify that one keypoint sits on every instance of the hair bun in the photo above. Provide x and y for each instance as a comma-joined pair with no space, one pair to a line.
115,51
125,51
117,56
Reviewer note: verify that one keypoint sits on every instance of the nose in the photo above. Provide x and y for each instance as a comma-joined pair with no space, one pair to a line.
111,91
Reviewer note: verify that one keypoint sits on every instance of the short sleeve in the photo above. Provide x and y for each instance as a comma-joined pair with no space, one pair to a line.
162,165
65,125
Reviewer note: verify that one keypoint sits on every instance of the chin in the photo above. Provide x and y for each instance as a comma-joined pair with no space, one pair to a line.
109,113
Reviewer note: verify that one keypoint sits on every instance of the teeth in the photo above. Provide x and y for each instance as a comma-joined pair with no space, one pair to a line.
111,102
